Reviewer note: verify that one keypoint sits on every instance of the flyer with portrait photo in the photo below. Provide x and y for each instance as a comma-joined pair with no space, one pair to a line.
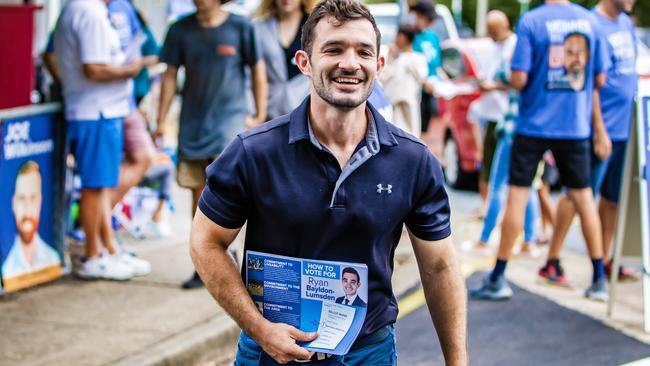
326,297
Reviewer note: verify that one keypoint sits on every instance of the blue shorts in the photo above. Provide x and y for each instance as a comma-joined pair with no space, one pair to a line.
97,149
606,174
379,354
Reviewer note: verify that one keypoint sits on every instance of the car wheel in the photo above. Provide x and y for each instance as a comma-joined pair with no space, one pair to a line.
455,177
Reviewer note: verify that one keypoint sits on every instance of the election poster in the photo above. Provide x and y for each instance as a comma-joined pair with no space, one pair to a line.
632,239
28,255
326,297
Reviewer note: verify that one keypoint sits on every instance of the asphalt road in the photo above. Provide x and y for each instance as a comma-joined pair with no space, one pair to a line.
527,330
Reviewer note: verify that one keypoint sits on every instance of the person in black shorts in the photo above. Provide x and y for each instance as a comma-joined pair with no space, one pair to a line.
554,116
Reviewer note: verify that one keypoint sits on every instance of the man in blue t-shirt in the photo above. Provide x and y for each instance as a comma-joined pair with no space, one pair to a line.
558,64
427,43
616,101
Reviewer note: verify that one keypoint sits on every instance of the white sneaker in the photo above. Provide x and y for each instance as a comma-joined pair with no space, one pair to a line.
159,230
104,267
140,267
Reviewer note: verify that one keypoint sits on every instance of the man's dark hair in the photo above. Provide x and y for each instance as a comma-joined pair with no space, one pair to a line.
426,8
339,12
408,31
353,271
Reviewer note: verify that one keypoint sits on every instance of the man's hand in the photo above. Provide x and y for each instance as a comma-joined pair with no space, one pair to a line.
428,87
253,121
602,145
159,132
278,340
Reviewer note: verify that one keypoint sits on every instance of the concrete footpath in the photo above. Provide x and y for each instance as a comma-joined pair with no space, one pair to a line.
151,321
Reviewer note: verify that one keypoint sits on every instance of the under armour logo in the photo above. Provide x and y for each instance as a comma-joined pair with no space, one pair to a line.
388,189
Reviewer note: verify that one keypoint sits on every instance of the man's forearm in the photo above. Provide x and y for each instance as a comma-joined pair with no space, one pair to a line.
260,90
107,73
597,122
167,91
446,296
219,273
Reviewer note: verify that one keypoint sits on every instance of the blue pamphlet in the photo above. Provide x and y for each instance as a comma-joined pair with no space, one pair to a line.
326,297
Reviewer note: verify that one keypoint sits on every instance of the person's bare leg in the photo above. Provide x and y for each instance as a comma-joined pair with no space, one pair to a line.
157,214
547,209
132,171
564,217
483,191
513,220
90,208
607,210
437,130
583,200
106,228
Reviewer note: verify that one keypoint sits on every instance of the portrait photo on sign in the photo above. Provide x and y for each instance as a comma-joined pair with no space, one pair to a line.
29,251
355,292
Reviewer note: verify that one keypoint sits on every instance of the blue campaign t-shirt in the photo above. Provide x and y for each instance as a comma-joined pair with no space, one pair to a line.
124,20
559,48
617,96
428,44
214,108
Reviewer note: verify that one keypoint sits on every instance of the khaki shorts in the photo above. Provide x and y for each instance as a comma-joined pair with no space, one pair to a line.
136,136
191,173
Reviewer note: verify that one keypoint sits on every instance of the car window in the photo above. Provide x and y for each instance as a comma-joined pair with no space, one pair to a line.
387,25
452,63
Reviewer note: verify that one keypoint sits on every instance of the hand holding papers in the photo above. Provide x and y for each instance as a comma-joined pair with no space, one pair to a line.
336,319
326,297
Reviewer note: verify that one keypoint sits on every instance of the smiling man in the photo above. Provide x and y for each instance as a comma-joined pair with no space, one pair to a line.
331,181
29,252
351,282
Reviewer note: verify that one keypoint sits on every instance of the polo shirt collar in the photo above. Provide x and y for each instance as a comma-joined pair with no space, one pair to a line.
299,128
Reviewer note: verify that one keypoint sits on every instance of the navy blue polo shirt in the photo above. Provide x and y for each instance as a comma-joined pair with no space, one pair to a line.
298,202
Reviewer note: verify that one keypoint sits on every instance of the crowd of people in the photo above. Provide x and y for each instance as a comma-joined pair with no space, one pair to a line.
573,71
558,102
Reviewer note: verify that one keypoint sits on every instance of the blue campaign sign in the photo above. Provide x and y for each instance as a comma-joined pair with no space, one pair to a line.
27,253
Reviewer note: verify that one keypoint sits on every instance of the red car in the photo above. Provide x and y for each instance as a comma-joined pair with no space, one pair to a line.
462,61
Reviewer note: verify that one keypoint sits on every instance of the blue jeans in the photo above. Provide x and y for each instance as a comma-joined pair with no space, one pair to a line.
379,354
497,194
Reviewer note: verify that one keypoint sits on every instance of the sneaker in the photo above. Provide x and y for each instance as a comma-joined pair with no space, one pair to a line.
140,266
479,248
194,282
554,275
104,267
598,290
625,274
159,230
489,290
527,250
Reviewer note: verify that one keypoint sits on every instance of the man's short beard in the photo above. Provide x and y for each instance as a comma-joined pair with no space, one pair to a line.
345,104
27,236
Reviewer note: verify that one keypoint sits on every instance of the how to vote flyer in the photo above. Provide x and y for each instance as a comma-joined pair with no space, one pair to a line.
326,297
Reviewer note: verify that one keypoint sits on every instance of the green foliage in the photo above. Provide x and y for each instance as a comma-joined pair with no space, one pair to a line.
512,9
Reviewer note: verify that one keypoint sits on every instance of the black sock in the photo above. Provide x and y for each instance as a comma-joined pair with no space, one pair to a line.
599,269
498,270
553,262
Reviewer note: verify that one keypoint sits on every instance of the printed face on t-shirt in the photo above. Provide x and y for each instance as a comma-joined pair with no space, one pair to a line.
576,56
568,54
